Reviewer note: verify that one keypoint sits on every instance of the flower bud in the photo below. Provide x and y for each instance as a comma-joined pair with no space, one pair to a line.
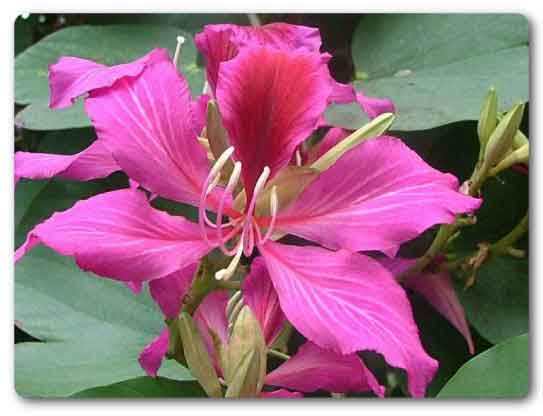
519,140
197,357
521,155
489,117
501,140
374,128
246,357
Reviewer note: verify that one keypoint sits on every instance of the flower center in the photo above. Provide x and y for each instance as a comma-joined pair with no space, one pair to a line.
243,232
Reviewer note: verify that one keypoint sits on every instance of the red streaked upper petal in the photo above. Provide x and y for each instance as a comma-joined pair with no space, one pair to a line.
92,163
147,123
271,101
313,368
70,77
199,113
348,302
220,43
168,292
259,294
119,235
375,197
438,290
153,354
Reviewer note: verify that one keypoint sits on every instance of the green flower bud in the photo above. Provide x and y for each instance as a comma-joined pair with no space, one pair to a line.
519,140
521,155
501,140
374,128
246,357
197,358
489,117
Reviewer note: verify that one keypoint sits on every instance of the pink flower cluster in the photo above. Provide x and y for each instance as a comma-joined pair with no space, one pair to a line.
272,86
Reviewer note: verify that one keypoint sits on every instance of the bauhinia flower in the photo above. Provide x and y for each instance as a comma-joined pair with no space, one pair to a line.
375,197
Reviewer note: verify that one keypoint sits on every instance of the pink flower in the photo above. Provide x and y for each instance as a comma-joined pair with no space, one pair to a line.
375,197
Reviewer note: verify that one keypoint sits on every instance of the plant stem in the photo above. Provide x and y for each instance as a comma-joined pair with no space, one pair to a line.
503,245
278,354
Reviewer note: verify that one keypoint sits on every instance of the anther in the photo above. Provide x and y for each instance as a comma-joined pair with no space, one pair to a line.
227,273
180,41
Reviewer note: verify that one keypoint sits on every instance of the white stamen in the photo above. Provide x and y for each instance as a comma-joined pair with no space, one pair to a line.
261,181
213,184
225,274
234,177
221,161
274,207
180,41
298,158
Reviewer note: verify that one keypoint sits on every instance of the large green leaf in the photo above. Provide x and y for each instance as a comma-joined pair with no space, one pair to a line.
497,304
105,44
143,388
502,371
438,67
93,329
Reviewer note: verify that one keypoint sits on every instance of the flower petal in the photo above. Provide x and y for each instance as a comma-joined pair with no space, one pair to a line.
220,43
374,106
153,354
270,100
259,294
313,368
147,123
375,197
438,290
71,77
199,113
92,163
168,292
281,394
210,317
119,235
348,302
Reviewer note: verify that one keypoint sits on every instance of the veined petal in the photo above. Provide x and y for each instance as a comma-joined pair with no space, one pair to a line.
348,302
168,292
374,106
220,43
199,110
281,394
119,235
271,101
94,162
210,318
375,197
153,354
259,294
71,77
313,368
147,123
438,290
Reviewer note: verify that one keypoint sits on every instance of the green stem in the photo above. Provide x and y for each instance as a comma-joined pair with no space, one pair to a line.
227,284
503,245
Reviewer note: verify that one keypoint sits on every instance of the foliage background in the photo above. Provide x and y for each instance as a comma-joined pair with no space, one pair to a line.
78,335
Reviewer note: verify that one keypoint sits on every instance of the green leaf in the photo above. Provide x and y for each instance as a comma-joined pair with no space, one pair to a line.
93,328
144,387
497,304
38,116
437,68
502,371
109,45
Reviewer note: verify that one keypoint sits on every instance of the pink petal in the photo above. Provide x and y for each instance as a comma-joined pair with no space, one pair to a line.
281,394
332,137
438,290
259,294
348,302
199,113
210,316
153,354
92,163
220,43
169,291
72,77
374,106
313,368
271,101
119,235
375,197
147,123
